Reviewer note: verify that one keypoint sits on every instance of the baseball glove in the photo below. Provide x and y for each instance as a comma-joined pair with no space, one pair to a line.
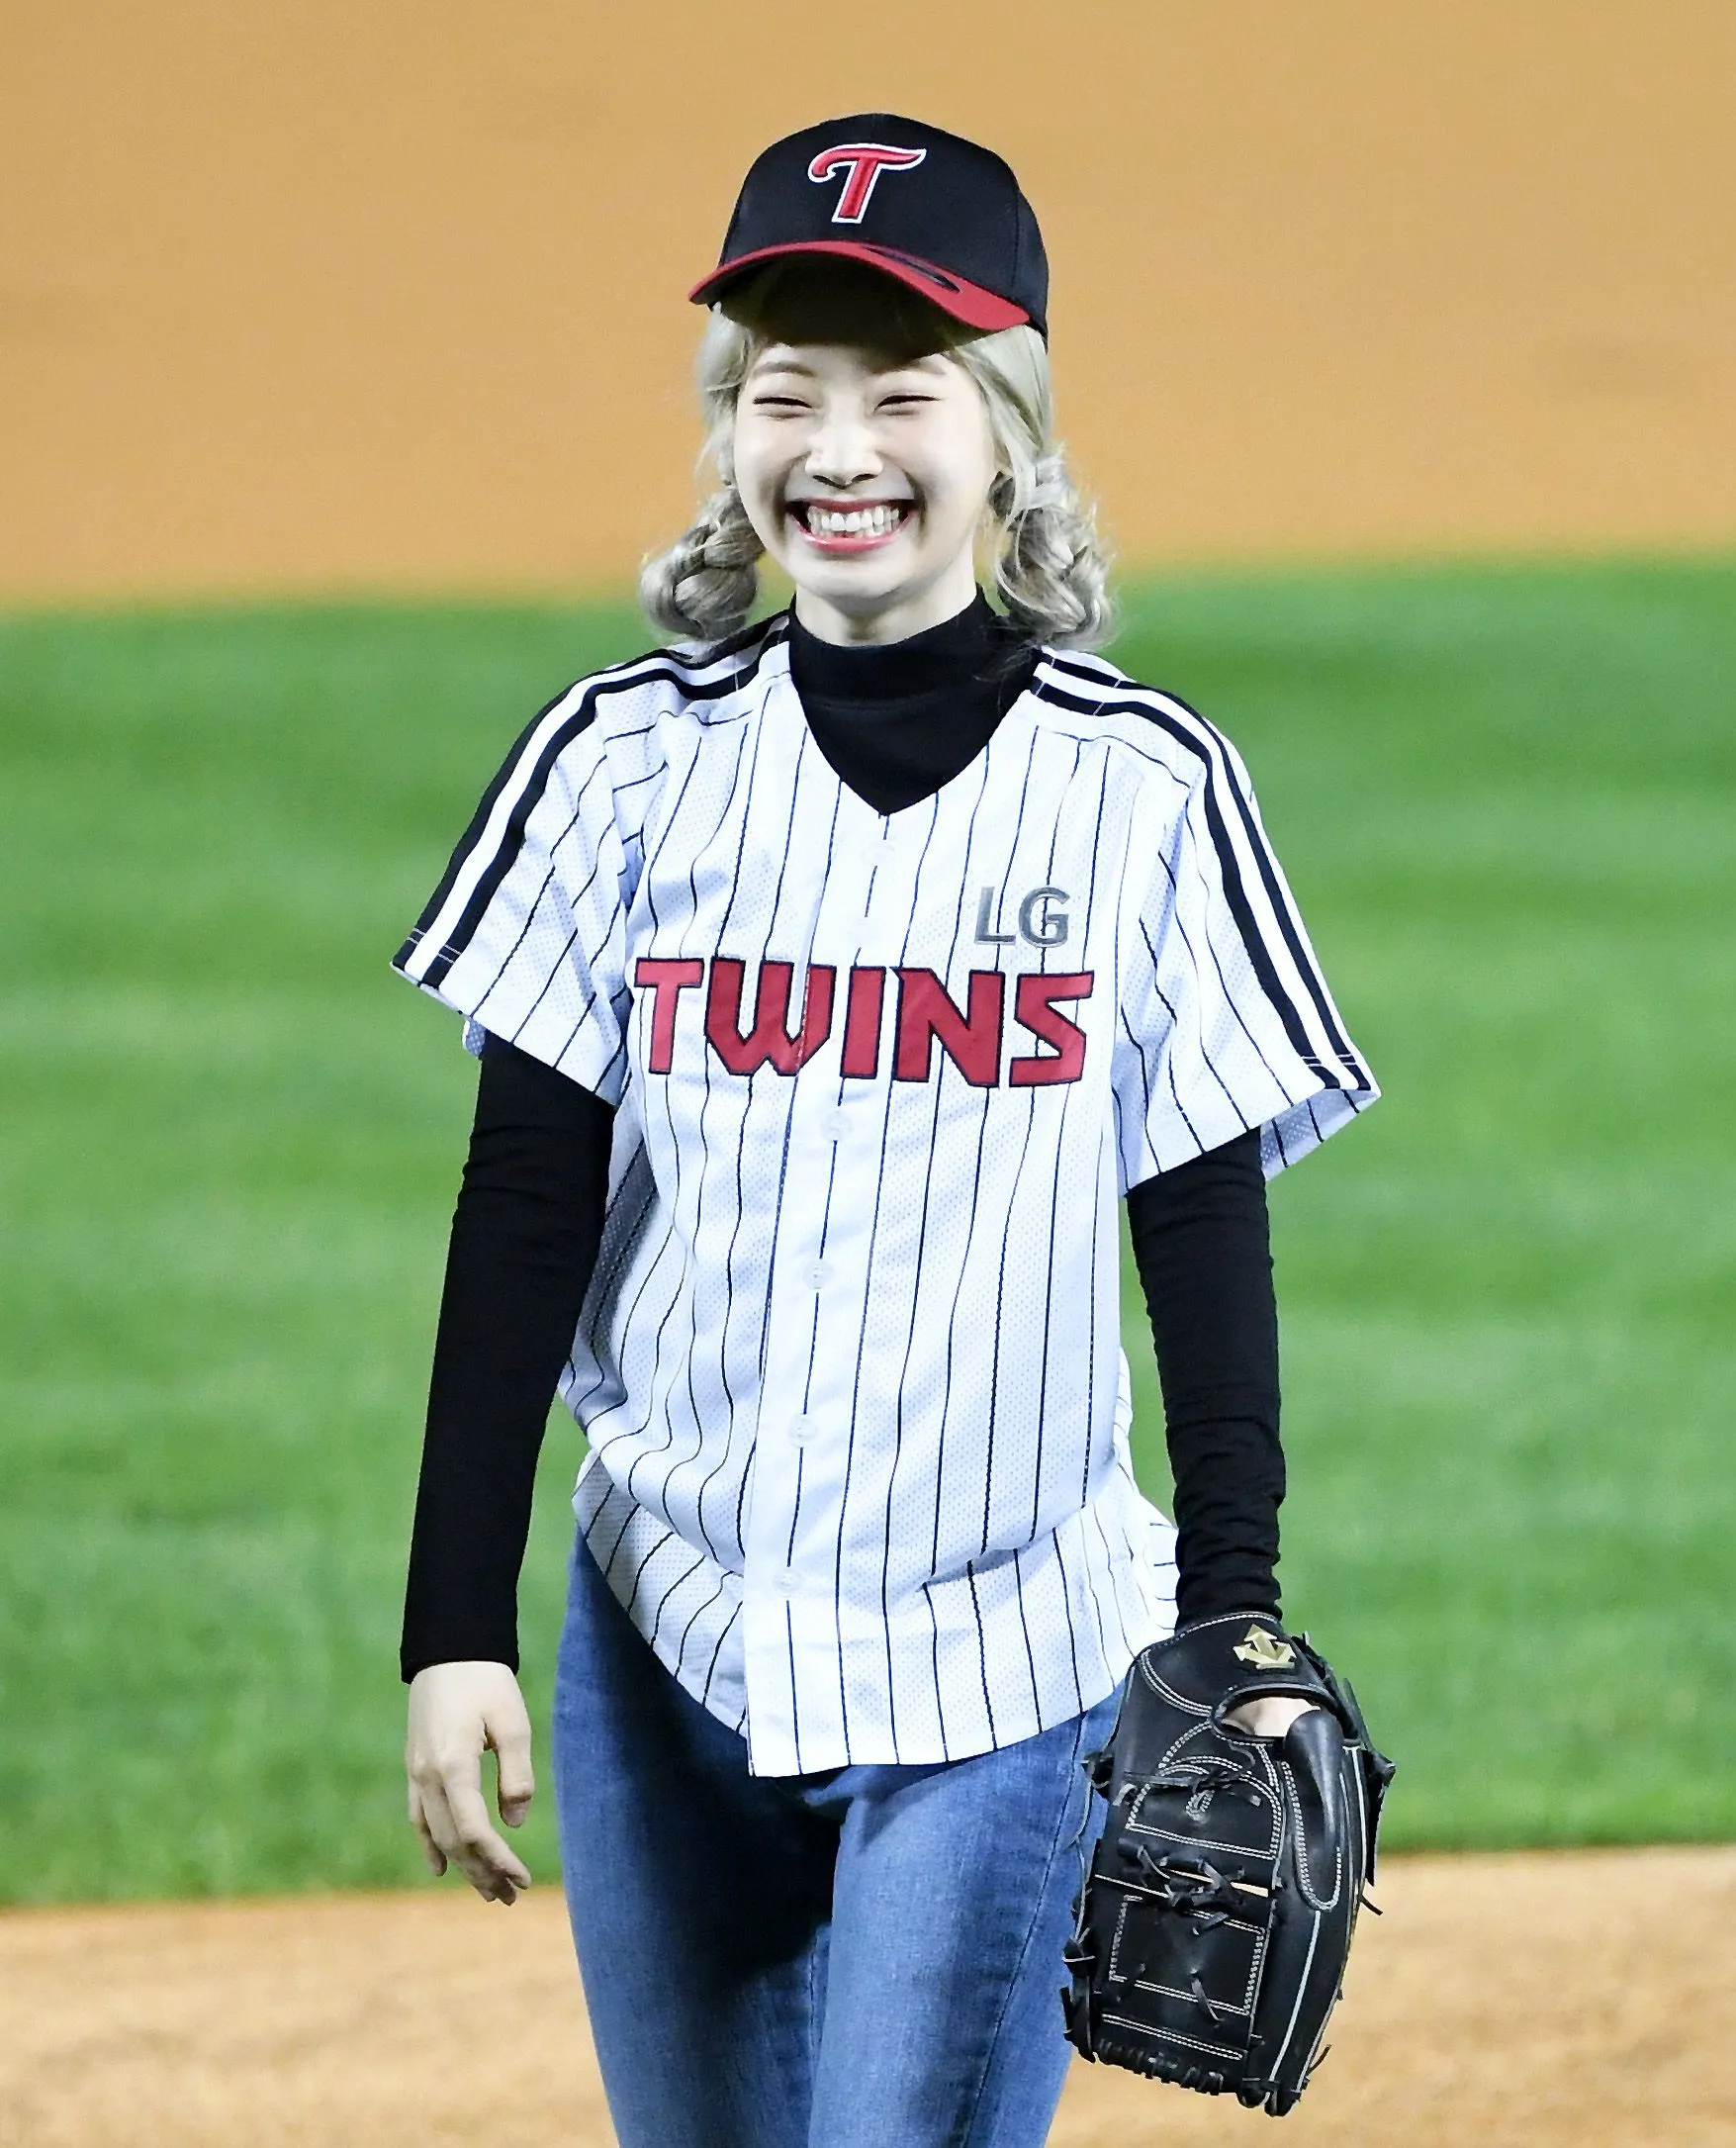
1216,1918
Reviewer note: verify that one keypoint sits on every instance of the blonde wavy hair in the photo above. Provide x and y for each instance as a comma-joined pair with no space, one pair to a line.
1050,566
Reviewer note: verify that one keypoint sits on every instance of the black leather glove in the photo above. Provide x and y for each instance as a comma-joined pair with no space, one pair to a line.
1217,1916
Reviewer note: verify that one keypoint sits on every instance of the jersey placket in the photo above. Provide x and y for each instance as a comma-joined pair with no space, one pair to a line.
892,898
817,1282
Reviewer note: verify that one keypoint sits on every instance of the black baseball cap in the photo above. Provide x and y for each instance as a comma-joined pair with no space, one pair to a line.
935,211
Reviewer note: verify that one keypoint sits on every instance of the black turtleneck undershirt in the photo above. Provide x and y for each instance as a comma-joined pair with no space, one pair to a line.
895,722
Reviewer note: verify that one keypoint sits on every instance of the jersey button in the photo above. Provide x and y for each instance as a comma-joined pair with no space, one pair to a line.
818,1274
802,1430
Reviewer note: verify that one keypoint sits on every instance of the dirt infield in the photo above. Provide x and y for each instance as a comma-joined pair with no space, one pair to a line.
1570,2001
336,297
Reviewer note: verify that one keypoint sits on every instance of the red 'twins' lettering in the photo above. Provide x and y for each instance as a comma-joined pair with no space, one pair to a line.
668,976
969,1036
770,1037
1034,1008
861,1024
970,1040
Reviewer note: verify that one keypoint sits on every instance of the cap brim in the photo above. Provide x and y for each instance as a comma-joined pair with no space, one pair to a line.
967,302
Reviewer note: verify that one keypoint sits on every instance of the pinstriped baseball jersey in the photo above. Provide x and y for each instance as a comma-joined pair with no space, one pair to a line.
849,1364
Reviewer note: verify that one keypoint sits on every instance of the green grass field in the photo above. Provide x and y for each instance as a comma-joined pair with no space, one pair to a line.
1507,798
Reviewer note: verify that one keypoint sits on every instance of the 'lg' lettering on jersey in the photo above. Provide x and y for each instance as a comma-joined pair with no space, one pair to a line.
971,1037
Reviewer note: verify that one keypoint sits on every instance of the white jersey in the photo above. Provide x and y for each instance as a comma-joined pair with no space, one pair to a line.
850,1362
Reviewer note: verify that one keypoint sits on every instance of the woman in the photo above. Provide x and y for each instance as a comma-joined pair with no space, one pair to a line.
832,978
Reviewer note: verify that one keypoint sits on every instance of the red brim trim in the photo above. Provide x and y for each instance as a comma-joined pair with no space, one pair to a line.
967,302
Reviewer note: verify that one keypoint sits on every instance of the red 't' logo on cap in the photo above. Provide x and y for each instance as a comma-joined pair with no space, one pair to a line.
864,161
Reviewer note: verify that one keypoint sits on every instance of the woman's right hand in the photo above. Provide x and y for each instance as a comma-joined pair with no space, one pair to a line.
457,1712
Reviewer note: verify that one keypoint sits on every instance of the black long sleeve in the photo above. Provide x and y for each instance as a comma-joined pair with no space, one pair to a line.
524,1241
1202,1243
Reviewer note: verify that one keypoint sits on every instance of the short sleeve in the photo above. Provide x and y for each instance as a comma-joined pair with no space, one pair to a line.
1225,1020
526,935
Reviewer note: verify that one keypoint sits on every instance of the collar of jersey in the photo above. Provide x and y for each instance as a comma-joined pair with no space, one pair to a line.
763,657
772,673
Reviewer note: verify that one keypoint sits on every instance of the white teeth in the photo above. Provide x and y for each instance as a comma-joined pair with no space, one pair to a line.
869,522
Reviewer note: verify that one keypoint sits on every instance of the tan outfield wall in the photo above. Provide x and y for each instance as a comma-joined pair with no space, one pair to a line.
384,295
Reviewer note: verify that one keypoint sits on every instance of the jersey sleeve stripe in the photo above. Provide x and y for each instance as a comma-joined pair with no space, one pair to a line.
531,912
485,851
474,833
1227,996
491,843
1283,907
1327,1044
1180,720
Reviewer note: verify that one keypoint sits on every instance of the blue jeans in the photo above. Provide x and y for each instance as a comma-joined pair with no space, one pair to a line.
868,1957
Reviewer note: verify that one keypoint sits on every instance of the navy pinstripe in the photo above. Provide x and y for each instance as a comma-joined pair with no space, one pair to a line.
849,1363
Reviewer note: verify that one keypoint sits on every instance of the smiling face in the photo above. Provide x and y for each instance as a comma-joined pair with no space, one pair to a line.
866,473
